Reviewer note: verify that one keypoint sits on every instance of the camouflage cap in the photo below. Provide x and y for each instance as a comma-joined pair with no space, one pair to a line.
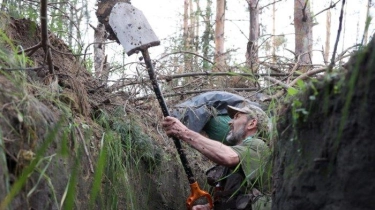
254,111
234,110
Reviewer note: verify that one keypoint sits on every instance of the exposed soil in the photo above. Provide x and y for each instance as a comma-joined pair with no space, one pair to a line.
325,160
163,187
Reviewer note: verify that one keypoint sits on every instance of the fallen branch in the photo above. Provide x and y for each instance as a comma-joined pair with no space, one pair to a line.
341,55
192,74
275,96
285,86
22,69
187,84
181,93
169,78
187,52
301,77
31,49
308,74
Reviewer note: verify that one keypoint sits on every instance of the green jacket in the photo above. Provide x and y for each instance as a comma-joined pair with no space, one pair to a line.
256,166
242,187
254,156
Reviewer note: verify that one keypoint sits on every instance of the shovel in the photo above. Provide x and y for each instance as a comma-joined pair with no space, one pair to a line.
135,34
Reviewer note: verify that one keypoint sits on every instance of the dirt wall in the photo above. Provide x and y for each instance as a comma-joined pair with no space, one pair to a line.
324,155
64,176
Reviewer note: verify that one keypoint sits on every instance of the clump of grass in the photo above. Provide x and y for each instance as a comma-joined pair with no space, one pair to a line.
29,114
134,141
124,148
20,182
3,162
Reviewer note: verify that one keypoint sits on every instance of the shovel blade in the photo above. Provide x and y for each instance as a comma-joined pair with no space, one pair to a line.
132,28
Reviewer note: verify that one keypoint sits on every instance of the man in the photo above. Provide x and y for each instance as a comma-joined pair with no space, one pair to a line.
241,167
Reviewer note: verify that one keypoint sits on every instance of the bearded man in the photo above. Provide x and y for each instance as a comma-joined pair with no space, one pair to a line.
241,172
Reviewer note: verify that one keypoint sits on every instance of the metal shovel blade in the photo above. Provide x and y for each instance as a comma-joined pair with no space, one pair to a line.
132,28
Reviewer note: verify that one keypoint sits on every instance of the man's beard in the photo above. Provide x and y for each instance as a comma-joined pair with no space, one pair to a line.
234,137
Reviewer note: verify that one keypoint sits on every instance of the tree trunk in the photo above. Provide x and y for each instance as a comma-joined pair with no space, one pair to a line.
191,39
196,28
207,34
186,37
252,45
365,34
99,53
274,32
328,37
192,25
70,29
303,31
186,24
219,35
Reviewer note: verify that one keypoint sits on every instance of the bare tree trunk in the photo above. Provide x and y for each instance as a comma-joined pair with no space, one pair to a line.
99,54
192,25
273,32
186,37
70,29
80,14
191,39
206,34
252,45
196,28
365,34
328,37
219,34
303,31
186,23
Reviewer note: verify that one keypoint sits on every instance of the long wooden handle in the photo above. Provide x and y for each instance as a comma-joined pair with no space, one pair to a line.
164,108
196,192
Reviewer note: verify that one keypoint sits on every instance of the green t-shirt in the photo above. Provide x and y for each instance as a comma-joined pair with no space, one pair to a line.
254,156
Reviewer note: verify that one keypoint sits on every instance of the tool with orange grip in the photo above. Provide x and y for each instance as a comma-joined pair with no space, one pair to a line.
135,34
197,193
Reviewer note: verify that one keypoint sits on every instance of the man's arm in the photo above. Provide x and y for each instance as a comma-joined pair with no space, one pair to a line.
213,150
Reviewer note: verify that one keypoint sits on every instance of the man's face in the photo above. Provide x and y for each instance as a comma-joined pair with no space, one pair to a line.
237,128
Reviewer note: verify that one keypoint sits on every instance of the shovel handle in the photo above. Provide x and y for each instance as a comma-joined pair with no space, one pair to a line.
164,108
195,194
155,86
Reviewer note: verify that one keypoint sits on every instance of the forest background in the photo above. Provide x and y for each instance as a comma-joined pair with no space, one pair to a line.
194,38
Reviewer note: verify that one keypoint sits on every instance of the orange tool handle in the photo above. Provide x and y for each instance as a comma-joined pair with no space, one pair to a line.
195,193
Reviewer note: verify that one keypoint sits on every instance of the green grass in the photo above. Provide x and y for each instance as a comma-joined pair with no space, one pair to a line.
125,147
116,154
124,153
20,182
3,162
